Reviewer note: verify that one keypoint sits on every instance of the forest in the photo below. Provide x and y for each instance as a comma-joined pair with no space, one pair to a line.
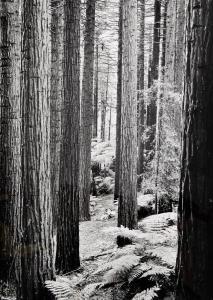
106,149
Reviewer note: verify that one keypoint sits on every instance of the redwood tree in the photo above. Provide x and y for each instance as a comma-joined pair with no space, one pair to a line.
68,223
127,205
87,111
195,218
10,125
36,206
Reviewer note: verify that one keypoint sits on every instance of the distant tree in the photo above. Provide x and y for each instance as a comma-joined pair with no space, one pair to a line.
68,224
35,209
10,134
96,90
104,103
127,205
87,111
118,110
153,75
195,216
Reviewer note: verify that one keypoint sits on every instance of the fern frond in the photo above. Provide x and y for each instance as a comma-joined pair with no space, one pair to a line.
60,290
148,294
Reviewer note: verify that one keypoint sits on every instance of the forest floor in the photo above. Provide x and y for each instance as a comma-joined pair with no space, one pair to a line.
143,269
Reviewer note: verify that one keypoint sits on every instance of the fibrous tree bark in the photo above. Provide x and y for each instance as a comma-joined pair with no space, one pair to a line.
104,104
127,204
118,109
195,217
10,126
56,100
35,228
87,111
68,224
140,87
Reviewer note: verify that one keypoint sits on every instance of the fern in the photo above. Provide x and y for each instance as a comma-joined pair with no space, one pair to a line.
148,294
126,261
60,290
89,290
120,269
137,272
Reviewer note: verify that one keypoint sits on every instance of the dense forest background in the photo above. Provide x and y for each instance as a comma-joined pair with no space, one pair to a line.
106,150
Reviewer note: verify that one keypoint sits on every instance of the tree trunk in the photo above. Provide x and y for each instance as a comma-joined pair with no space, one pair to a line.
154,73
118,110
68,223
195,218
10,126
141,104
87,112
36,206
127,205
104,107
95,106
55,101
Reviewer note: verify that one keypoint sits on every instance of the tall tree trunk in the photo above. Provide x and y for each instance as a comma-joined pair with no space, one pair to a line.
160,108
55,101
10,121
95,106
36,227
104,107
141,104
87,111
195,217
110,122
118,110
154,73
68,223
127,205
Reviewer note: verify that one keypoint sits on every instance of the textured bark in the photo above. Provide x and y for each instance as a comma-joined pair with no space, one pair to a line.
87,111
36,206
195,219
95,105
141,103
56,101
68,223
10,126
154,73
127,205
118,110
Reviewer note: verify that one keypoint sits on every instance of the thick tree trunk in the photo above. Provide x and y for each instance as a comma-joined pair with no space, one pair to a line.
154,73
118,110
87,111
36,206
10,126
68,223
195,219
141,104
56,101
127,205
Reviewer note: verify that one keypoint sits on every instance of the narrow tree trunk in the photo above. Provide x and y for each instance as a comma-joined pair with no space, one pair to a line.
10,121
103,108
195,217
154,72
141,104
110,122
160,109
118,110
127,207
95,106
87,111
36,207
68,223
